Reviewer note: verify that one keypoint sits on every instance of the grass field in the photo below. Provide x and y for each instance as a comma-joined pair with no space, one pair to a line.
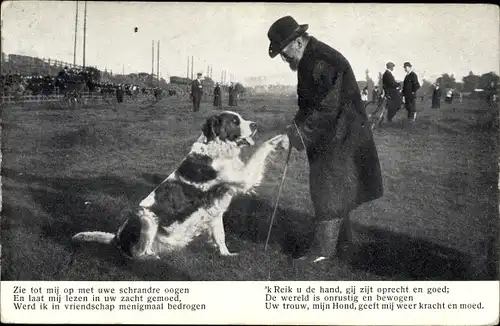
65,171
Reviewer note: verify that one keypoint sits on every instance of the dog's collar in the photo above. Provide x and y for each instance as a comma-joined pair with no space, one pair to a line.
216,148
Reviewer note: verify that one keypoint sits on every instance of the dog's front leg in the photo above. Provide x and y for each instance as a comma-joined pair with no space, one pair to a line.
149,228
255,167
219,236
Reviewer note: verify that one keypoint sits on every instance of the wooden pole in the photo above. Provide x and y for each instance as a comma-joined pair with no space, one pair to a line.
84,32
187,74
158,64
192,67
152,58
76,36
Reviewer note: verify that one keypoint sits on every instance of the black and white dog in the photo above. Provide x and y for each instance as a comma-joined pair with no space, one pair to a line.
193,199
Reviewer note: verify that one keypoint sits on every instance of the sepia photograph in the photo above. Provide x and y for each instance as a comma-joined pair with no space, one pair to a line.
164,141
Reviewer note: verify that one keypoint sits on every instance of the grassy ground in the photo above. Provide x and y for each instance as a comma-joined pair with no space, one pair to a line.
65,171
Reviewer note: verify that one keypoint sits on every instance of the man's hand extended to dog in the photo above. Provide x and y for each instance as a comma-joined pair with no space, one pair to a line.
294,138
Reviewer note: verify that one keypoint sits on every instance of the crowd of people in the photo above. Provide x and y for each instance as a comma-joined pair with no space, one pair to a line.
397,94
18,85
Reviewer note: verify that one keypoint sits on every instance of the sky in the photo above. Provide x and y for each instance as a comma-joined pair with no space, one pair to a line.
435,38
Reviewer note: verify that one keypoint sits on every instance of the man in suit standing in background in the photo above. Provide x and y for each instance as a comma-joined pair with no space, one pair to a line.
196,92
410,87
391,91
217,96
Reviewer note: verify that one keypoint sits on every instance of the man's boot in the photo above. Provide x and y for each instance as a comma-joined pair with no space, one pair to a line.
326,239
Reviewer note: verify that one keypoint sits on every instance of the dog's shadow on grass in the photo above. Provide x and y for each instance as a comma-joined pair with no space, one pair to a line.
68,211
381,252
64,200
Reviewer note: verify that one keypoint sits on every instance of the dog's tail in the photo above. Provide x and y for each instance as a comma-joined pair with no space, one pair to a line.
77,239
94,236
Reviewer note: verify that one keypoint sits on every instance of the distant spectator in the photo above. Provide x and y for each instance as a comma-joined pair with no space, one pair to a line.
436,96
196,92
449,96
217,96
119,94
364,95
232,95
491,93
391,91
410,87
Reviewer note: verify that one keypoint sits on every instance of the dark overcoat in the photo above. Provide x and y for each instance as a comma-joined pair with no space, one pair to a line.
392,94
196,93
217,96
233,101
436,98
410,86
343,160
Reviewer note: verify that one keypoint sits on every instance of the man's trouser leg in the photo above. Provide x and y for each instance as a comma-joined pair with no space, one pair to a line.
411,108
198,100
331,196
195,102
331,237
392,109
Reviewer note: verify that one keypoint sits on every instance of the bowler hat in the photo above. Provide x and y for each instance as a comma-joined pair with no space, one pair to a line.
406,64
390,64
282,32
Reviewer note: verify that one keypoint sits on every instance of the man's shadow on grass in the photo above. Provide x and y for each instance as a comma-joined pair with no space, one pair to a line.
385,253
382,251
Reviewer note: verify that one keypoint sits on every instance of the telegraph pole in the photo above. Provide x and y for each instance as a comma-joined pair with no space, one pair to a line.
76,37
84,32
192,67
158,64
152,58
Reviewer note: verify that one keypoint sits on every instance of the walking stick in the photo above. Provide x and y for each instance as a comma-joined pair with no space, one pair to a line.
281,186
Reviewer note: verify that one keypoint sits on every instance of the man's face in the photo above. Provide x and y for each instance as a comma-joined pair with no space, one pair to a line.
407,68
292,54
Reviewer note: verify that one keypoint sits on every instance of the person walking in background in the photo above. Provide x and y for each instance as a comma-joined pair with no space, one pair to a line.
410,87
364,95
436,96
391,91
332,125
449,96
196,92
217,96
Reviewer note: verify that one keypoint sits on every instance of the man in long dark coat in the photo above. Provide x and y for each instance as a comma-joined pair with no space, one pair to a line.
410,88
232,95
119,93
344,168
217,96
391,91
196,92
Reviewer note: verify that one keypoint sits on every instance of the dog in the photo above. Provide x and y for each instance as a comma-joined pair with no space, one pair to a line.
192,200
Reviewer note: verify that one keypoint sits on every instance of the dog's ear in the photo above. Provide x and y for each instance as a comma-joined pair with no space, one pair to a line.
211,128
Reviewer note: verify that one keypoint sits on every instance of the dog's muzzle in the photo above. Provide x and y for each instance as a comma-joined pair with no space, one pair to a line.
249,140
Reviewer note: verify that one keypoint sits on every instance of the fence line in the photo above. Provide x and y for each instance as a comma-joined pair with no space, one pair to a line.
10,99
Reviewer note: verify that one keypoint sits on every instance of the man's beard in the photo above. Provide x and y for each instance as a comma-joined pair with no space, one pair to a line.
294,64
